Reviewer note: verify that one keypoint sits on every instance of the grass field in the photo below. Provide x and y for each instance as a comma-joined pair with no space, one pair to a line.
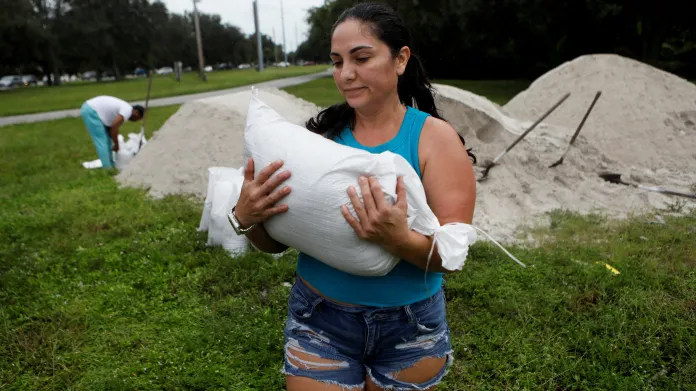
71,96
102,288
324,93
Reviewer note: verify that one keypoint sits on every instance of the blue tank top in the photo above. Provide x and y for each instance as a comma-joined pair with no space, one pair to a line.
406,283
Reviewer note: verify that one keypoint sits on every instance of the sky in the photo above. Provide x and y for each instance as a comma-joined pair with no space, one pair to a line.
240,13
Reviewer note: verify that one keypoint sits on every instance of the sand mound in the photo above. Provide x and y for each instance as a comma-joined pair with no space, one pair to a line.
474,115
522,187
201,134
644,118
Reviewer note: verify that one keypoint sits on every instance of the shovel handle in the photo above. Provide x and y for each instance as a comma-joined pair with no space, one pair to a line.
670,192
584,118
147,97
147,102
534,125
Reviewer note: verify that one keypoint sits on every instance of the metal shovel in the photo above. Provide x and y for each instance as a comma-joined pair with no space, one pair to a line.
526,132
147,101
577,131
616,178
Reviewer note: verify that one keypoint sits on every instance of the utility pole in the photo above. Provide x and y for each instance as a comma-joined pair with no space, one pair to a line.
297,43
258,37
282,21
199,41
275,47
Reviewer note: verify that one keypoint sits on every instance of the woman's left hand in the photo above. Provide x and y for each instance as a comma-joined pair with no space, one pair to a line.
377,221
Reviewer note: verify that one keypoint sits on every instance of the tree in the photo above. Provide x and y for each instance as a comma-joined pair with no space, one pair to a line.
466,39
470,39
58,36
19,34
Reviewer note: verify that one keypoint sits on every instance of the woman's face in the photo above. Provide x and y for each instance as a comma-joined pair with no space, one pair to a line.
364,69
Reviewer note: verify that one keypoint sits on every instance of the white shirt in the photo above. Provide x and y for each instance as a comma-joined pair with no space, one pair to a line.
108,107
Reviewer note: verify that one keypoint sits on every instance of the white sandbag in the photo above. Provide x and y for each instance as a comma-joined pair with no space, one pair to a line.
216,174
135,140
208,202
126,152
127,149
92,164
321,171
122,158
225,194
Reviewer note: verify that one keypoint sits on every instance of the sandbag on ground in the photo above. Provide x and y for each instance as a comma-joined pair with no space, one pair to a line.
224,186
126,153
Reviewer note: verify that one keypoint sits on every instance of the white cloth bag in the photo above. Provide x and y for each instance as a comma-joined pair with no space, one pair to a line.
321,172
127,150
217,174
224,187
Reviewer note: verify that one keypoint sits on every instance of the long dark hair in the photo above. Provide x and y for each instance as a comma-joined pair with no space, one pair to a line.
413,87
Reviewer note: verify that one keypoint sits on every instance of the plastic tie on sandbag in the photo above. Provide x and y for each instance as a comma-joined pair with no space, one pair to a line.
451,236
499,245
450,231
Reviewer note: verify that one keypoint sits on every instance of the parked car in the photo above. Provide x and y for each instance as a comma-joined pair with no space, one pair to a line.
29,80
208,68
243,66
108,75
165,71
89,75
140,72
11,81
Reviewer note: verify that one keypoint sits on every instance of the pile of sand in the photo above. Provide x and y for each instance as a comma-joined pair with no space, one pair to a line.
626,133
642,127
645,117
201,134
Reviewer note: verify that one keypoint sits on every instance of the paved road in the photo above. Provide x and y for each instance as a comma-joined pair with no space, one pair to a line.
174,100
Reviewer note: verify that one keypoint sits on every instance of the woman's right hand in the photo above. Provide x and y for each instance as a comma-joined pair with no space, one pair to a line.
257,200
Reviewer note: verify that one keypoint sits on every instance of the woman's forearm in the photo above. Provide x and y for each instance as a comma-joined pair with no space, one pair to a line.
260,238
415,250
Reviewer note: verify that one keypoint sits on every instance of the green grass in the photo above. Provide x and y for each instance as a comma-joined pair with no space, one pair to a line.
324,93
71,96
498,91
103,288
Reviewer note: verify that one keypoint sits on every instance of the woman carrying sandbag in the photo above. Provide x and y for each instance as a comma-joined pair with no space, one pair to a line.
346,331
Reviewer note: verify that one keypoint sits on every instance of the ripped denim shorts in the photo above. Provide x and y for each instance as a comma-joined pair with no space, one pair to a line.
354,342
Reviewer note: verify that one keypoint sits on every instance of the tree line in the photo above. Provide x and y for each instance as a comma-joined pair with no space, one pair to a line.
464,39
502,39
55,37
